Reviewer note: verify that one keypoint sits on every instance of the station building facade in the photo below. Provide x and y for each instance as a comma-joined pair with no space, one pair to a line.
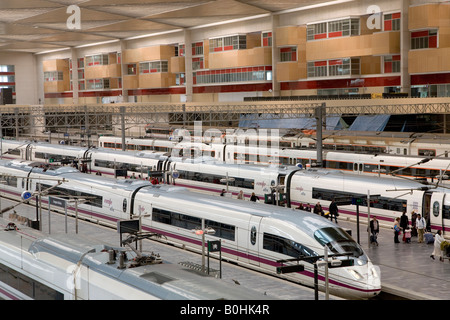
343,49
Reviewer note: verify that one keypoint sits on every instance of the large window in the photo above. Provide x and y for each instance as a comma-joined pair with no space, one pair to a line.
97,60
392,22
228,43
334,67
424,39
261,73
197,48
333,29
53,76
391,64
267,39
288,54
95,84
222,230
153,66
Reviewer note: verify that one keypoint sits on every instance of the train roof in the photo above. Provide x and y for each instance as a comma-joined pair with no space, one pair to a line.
164,280
178,197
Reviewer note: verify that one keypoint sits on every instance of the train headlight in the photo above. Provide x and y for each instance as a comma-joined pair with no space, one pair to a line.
355,274
375,273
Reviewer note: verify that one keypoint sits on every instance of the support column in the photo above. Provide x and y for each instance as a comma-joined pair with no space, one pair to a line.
124,70
188,75
405,45
74,57
275,56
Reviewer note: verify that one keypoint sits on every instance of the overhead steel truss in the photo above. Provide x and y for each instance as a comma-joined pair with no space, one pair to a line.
94,118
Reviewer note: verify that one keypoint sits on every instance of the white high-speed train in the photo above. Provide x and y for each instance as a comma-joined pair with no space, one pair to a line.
362,163
253,235
294,186
35,266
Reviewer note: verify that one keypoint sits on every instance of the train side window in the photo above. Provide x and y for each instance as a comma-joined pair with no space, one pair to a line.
286,246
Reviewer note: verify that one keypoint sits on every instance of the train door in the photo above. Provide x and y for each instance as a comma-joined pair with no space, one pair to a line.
435,212
254,240
358,167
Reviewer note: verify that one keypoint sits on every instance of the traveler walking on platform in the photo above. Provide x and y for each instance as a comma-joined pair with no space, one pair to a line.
374,230
397,230
333,211
240,196
404,223
421,225
254,197
438,238
413,223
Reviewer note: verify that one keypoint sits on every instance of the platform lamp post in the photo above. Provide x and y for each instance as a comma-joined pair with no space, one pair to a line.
226,180
202,232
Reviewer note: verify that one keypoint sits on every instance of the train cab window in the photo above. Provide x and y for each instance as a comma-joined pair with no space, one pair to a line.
286,246
445,212
338,241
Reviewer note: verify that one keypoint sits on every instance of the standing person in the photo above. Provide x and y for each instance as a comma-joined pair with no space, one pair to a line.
241,195
333,211
413,223
254,197
374,230
438,238
407,235
222,194
421,224
404,223
396,230
318,209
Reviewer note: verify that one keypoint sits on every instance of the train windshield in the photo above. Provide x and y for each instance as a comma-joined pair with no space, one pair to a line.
338,241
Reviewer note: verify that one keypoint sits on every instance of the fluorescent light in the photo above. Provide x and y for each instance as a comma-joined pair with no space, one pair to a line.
154,34
55,50
96,44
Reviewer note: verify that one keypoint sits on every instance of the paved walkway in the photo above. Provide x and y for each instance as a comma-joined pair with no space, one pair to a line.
406,268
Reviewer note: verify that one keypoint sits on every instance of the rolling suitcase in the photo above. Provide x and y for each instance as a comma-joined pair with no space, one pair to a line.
428,237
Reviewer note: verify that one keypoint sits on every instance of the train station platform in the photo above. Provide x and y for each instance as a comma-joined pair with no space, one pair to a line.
407,271
406,268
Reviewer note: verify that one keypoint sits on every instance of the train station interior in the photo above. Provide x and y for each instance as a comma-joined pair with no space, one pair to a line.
93,52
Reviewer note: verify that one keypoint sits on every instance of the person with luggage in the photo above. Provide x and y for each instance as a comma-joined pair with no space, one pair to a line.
397,230
421,225
374,230
438,238
404,222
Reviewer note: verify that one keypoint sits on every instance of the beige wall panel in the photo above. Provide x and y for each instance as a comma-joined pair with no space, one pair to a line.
177,64
253,40
425,16
429,60
287,71
290,35
240,58
55,65
156,80
365,45
444,37
99,72
370,65
386,42
130,82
